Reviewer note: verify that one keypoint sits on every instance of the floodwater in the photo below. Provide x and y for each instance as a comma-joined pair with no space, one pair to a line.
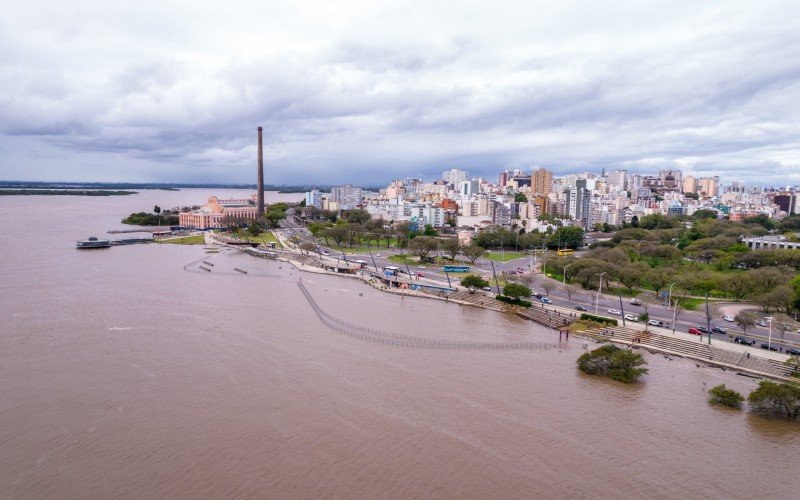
122,375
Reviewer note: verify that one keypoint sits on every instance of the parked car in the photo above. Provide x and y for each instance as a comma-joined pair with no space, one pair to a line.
702,329
761,323
793,352
545,300
744,341
655,322
769,347
421,275
719,329
580,308
487,289
631,317
615,312
728,318
695,331
537,295
422,267
636,302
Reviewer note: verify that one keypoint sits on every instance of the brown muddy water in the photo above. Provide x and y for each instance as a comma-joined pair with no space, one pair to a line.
122,375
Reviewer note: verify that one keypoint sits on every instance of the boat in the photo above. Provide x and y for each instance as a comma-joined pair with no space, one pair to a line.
93,242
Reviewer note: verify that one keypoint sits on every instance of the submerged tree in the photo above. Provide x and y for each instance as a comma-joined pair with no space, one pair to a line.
782,398
724,396
609,360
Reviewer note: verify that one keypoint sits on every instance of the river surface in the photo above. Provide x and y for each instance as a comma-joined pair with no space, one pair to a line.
124,376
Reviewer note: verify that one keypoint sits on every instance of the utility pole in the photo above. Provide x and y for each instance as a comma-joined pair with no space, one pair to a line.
496,283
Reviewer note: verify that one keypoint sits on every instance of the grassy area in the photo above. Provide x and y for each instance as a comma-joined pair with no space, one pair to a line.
267,237
692,304
504,256
195,239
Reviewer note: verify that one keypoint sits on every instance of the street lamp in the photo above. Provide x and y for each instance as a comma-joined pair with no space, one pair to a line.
669,298
564,269
769,339
597,297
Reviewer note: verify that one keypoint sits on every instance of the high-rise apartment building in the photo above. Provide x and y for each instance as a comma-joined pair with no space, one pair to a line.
689,184
578,199
455,176
347,196
708,186
541,181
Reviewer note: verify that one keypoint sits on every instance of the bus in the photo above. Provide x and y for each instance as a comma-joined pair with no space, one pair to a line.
565,252
456,269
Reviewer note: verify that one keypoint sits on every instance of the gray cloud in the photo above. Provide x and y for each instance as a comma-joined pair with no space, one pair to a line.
365,92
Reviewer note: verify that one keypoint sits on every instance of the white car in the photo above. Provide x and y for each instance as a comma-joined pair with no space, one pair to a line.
631,317
422,267
615,312
728,318
761,323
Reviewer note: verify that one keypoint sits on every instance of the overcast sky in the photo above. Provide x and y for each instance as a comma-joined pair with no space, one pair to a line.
363,92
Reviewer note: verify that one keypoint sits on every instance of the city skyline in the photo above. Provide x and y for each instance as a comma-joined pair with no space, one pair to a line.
364,93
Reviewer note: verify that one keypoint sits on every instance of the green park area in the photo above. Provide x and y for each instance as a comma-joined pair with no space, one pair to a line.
504,256
194,239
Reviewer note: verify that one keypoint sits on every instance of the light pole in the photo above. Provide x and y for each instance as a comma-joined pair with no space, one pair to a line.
769,339
597,297
564,269
669,298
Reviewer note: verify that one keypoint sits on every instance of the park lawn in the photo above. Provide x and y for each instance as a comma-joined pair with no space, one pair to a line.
692,304
504,256
195,239
267,237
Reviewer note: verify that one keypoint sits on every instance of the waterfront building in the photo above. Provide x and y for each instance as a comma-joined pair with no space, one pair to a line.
217,213
314,199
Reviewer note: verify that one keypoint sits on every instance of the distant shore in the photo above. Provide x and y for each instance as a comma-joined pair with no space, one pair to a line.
63,192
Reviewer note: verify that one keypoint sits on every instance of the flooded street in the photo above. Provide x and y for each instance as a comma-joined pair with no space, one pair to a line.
123,375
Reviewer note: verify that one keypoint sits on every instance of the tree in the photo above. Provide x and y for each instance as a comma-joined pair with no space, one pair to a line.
745,320
422,246
429,231
635,221
570,290
450,247
473,282
516,291
253,229
609,360
782,398
704,214
566,237
156,209
336,233
308,247
548,285
520,198
473,253
723,396
779,298
356,216
658,278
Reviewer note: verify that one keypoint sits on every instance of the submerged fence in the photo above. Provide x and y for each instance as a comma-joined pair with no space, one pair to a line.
209,272
396,339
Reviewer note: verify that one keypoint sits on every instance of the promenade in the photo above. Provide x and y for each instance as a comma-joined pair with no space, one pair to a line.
725,355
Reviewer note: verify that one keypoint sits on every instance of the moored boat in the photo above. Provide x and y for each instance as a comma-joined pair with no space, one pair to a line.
93,242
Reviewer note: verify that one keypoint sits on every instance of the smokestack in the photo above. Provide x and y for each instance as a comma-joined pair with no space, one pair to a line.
260,186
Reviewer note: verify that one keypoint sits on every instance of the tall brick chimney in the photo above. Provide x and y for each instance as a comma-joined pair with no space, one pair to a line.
260,186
